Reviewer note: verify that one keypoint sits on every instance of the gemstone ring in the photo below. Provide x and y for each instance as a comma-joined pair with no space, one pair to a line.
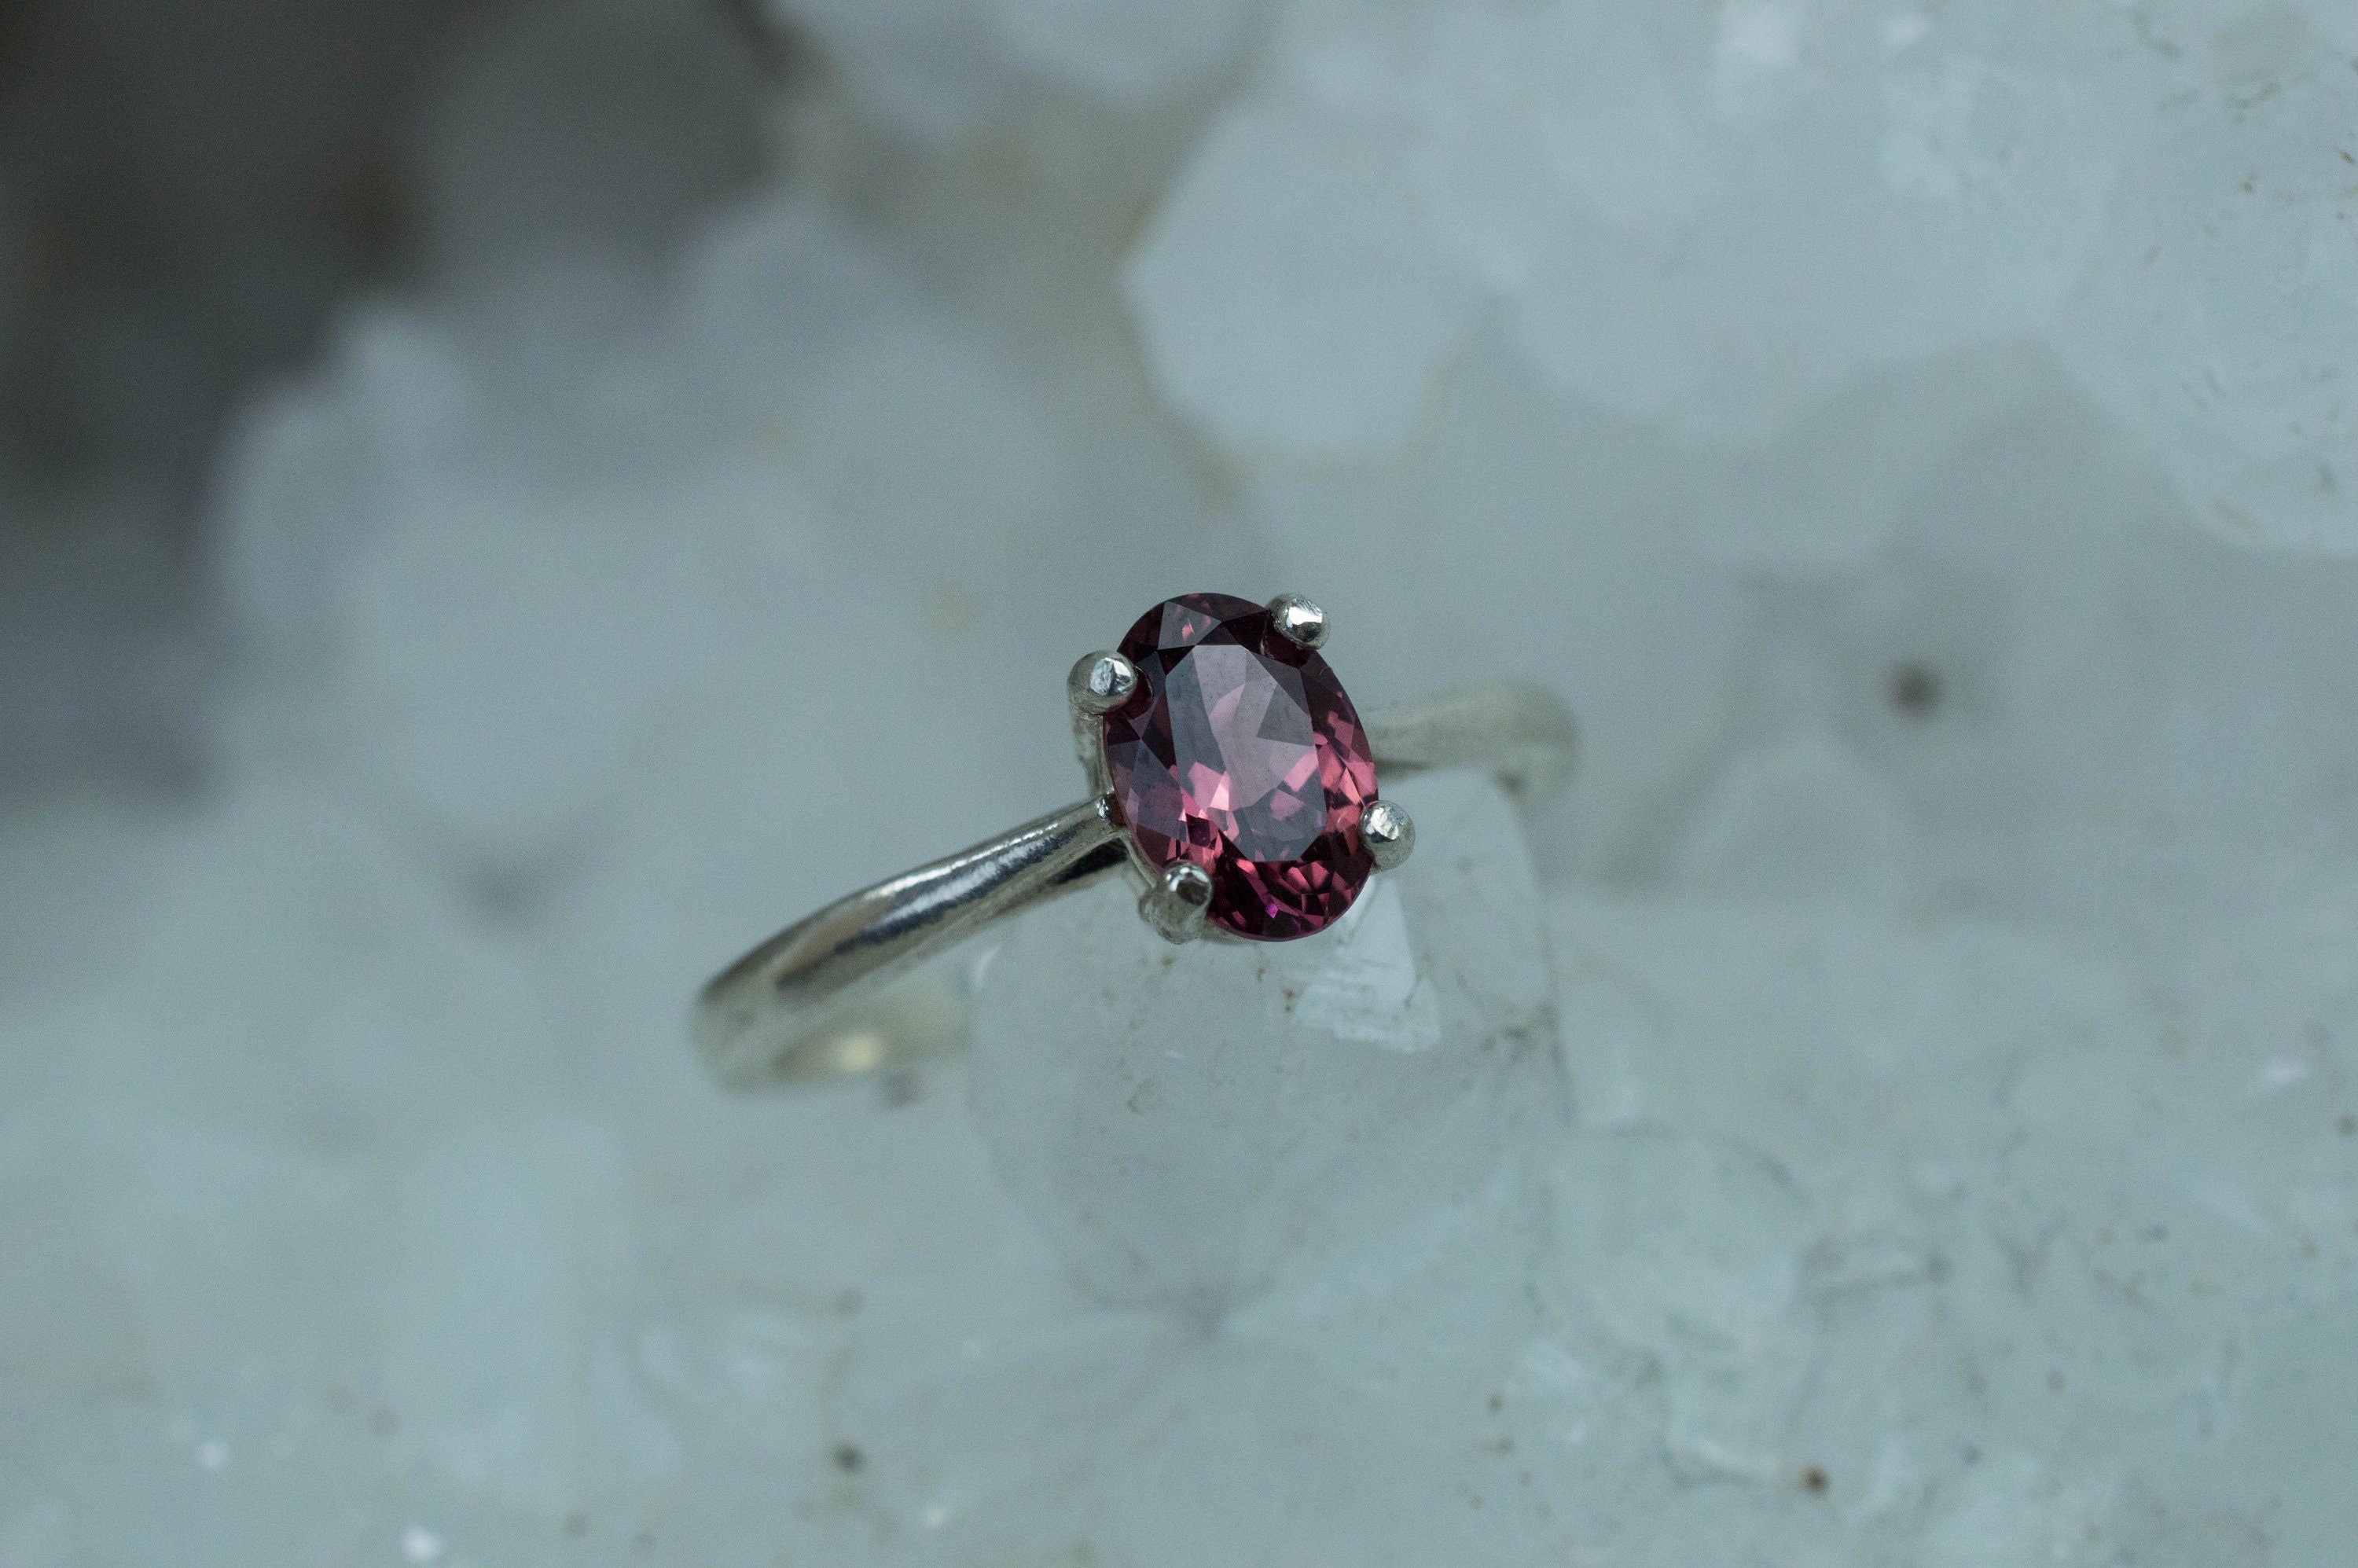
1230,775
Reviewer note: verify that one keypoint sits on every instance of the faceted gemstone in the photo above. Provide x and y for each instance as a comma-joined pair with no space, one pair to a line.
1240,752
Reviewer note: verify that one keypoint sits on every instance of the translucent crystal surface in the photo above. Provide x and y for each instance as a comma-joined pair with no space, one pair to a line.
1202,1120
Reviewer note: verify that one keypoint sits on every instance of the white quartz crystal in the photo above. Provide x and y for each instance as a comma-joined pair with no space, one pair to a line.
1196,1123
1287,299
2216,319
1711,215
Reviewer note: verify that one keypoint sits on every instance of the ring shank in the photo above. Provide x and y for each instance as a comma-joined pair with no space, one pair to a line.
820,999
1522,732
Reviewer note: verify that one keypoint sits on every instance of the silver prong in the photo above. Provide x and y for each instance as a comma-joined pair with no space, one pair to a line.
1174,905
1298,619
1388,833
1102,682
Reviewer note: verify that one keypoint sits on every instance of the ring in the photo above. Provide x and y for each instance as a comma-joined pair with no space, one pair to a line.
1228,774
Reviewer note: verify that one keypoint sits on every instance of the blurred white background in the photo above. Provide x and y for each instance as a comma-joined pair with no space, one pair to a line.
502,503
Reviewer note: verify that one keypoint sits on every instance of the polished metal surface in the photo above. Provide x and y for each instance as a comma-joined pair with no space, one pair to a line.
1299,620
1389,835
770,1016
1100,682
819,1000
1174,903
1522,732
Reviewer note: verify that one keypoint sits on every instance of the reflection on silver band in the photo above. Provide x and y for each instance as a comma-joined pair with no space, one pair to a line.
820,999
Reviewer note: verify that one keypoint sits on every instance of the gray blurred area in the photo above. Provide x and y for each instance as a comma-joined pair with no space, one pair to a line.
188,189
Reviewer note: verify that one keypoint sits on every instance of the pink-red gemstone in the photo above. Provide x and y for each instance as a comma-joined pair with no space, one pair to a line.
1240,752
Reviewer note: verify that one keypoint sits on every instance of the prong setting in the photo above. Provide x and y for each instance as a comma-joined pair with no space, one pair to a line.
1387,833
1298,621
1176,901
1101,683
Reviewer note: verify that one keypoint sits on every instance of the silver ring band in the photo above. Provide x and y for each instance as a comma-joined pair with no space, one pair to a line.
819,998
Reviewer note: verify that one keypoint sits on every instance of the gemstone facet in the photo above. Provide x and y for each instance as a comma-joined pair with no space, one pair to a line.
1240,753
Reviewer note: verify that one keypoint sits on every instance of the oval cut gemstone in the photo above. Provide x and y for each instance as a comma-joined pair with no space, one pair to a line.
1240,752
